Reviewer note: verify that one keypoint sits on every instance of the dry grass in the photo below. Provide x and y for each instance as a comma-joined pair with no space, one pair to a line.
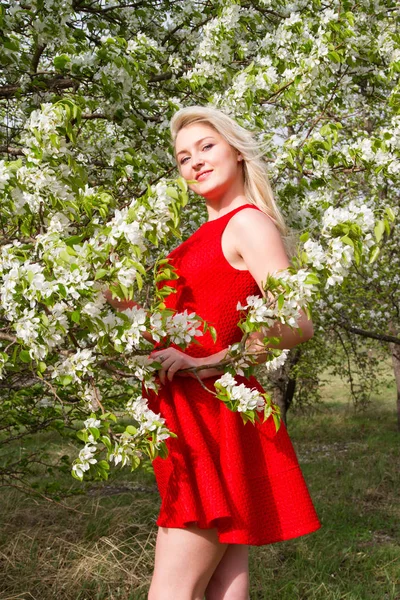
104,548
102,551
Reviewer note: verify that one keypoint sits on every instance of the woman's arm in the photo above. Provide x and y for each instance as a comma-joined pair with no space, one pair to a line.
258,242
124,305
117,303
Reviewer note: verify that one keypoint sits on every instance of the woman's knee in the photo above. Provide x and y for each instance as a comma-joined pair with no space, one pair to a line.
222,589
230,580
184,562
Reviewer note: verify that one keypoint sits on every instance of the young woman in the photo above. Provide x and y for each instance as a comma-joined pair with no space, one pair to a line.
224,485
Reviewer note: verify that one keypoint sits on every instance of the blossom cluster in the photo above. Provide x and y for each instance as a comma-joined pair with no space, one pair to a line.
86,458
245,398
290,293
148,420
342,230
250,403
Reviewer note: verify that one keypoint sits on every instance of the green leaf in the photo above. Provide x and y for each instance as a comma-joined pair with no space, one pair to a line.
387,226
325,129
374,254
62,290
95,432
100,274
139,281
390,213
108,415
135,460
125,291
25,356
75,476
347,240
82,435
312,278
213,333
106,441
305,236
334,56
76,316
277,421
172,193
103,464
379,230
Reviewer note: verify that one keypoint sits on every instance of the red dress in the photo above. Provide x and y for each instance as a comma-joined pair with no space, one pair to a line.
242,479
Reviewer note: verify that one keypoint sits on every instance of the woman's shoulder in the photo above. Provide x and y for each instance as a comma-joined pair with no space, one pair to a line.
253,221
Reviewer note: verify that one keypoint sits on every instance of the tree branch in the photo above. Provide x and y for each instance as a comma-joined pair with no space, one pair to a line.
59,82
89,9
7,337
11,151
8,91
382,337
36,57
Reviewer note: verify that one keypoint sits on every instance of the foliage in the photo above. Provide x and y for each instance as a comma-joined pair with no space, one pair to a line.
89,200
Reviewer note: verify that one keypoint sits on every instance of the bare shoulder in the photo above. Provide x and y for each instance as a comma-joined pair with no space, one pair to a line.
257,240
251,223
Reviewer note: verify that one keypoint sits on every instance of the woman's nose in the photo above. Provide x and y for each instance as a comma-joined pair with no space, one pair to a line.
198,161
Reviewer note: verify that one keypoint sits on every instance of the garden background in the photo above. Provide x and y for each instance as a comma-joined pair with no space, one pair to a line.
89,200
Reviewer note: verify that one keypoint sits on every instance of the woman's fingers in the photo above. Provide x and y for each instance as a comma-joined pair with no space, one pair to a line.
166,359
172,361
175,366
169,367
166,365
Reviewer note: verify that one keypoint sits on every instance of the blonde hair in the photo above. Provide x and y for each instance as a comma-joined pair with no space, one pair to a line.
256,182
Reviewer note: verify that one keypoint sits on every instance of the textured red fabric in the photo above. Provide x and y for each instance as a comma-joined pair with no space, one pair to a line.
242,479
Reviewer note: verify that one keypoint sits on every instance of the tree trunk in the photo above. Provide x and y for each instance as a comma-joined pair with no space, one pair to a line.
395,351
278,397
285,384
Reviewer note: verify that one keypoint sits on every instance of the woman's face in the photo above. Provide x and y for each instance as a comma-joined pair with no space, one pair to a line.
205,156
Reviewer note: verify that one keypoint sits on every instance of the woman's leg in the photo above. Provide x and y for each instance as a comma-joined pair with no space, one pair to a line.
230,580
185,559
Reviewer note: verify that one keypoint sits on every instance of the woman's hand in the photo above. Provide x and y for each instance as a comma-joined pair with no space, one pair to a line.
173,361
122,305
119,304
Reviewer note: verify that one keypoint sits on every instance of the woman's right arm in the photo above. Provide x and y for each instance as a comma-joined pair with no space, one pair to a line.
124,305
117,303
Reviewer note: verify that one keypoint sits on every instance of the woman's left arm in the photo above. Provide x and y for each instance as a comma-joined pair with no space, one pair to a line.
260,245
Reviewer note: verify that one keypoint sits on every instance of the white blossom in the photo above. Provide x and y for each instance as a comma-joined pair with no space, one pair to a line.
84,460
92,422
75,365
183,327
277,362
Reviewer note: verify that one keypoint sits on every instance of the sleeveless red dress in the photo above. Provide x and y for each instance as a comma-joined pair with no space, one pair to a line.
241,478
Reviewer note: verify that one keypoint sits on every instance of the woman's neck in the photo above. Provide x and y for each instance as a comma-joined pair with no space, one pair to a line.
223,203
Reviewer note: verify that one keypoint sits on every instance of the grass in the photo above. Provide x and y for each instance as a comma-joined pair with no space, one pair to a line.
102,546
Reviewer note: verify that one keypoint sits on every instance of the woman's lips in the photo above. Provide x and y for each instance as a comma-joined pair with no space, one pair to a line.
203,175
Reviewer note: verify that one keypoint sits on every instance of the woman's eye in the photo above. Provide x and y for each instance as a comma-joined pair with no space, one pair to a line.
184,160
207,146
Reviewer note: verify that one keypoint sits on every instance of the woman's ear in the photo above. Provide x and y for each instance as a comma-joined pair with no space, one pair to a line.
239,157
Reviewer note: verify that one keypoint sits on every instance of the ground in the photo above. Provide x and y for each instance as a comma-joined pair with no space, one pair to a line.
100,545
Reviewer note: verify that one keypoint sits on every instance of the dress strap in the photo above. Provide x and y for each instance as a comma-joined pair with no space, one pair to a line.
226,217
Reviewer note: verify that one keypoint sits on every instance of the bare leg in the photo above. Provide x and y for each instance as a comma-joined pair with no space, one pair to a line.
184,563
230,580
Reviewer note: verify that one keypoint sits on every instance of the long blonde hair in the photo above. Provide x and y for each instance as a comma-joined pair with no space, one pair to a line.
256,182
